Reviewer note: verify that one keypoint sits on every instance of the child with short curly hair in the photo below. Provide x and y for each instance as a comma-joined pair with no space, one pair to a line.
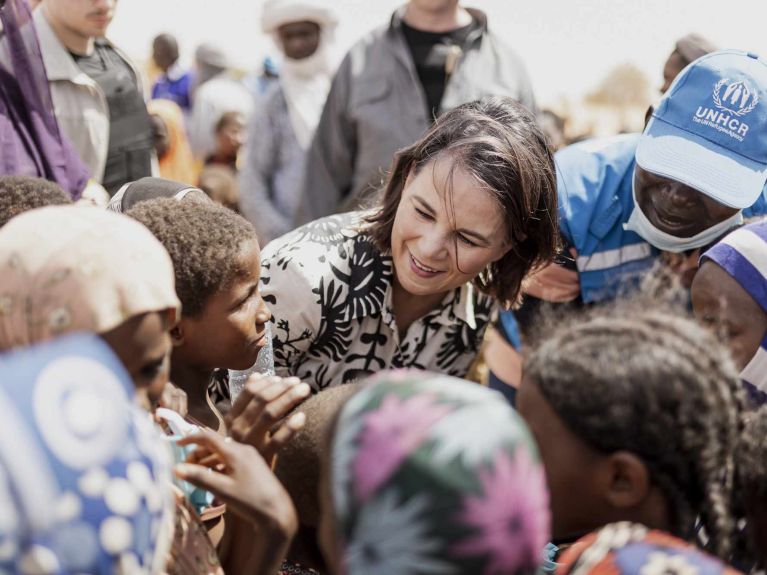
217,262
19,194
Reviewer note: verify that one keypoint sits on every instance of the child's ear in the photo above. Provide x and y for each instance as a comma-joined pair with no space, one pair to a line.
628,482
177,334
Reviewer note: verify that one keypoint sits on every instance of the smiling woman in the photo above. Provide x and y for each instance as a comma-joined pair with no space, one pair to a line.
466,213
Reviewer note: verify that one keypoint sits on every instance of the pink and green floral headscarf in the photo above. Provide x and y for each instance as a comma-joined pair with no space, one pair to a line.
432,474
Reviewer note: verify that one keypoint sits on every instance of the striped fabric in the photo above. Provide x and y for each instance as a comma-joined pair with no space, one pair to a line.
743,255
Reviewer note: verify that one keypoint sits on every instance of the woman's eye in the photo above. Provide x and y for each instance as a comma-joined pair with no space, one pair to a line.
467,241
423,214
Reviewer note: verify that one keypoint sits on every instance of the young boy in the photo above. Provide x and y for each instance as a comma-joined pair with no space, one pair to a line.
217,263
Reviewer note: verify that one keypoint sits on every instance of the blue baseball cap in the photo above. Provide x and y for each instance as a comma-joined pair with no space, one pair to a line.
710,129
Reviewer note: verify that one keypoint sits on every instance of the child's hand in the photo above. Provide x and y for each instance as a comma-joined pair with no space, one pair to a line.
174,399
257,416
239,477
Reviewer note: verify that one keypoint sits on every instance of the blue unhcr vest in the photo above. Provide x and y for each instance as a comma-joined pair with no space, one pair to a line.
594,189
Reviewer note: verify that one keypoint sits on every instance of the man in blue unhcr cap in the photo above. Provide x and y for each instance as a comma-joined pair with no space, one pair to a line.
697,169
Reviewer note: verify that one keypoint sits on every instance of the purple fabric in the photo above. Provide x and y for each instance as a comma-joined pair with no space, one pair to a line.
31,142
735,263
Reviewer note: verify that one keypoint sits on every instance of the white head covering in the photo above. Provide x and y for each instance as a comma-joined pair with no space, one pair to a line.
71,268
306,82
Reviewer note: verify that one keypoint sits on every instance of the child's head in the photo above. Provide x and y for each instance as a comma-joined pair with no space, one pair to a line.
70,269
20,194
431,471
752,480
474,199
637,416
230,134
729,293
220,184
299,463
217,262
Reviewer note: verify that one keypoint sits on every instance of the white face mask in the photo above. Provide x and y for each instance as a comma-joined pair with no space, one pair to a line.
639,223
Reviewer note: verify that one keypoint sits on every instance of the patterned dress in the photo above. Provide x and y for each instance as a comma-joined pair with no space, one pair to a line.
330,290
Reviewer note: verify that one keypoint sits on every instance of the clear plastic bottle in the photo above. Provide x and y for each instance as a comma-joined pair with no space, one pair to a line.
264,364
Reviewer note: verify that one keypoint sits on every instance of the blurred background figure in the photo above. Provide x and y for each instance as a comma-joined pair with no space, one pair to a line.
288,113
32,141
216,91
553,126
97,92
258,83
171,144
174,82
220,184
687,49
433,56
230,136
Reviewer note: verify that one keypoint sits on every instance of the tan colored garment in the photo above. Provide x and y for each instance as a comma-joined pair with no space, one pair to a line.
193,553
178,163
73,268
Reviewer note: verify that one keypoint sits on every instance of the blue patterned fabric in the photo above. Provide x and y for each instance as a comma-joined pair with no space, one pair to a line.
84,478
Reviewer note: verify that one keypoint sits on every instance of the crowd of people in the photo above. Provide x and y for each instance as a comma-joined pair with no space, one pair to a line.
467,347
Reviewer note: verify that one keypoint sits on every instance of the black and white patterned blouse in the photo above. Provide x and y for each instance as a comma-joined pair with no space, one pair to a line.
330,291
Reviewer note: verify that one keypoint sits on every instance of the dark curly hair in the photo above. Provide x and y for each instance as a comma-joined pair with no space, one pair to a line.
499,143
752,457
204,241
19,194
751,465
658,386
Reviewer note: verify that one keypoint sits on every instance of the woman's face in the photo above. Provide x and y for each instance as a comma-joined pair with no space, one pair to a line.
719,301
446,231
143,344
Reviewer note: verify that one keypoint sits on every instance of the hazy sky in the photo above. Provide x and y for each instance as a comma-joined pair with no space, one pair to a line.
568,45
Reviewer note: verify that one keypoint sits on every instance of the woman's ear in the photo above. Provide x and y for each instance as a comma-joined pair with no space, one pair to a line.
628,480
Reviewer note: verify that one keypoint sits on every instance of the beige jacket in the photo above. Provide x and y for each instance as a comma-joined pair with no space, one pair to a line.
79,103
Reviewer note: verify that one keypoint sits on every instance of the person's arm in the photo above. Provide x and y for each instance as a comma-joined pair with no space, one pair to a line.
331,156
261,518
257,175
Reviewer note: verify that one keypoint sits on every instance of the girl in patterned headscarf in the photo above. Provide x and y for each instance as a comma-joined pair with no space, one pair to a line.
730,292
84,478
432,474
632,549
68,268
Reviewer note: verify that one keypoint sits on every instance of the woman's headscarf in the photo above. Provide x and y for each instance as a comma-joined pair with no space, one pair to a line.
70,268
84,477
149,189
632,549
743,255
432,474
178,163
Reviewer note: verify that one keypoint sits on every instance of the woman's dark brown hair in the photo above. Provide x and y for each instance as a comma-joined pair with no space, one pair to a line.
498,142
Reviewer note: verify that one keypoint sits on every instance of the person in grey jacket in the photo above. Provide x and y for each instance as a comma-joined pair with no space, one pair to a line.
433,56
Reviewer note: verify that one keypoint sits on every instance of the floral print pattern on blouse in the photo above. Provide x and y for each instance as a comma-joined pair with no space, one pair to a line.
330,291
